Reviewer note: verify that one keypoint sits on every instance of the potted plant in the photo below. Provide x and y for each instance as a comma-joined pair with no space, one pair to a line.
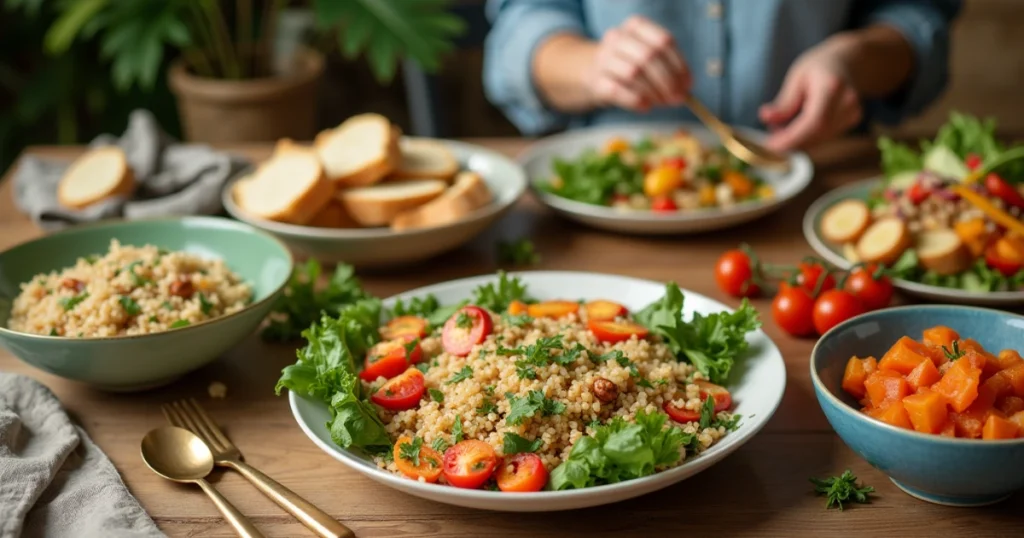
228,85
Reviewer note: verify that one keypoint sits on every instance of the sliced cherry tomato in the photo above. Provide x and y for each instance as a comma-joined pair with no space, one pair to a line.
721,396
523,472
517,308
678,163
999,188
918,193
735,274
874,293
469,463
620,198
390,358
414,326
834,307
995,258
793,310
428,467
663,204
811,273
552,309
973,161
402,392
465,329
604,310
679,414
616,331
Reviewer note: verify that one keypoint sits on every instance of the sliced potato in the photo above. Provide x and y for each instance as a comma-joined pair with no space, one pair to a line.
850,253
845,221
884,241
943,251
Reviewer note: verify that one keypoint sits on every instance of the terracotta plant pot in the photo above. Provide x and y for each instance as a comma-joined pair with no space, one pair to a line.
215,111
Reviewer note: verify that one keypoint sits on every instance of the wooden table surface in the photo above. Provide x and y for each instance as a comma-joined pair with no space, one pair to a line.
761,490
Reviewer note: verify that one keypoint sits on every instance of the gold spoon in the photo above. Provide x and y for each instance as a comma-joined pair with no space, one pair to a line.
179,455
741,147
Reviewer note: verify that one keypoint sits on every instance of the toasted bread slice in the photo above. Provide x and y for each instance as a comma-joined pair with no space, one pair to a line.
379,204
467,194
289,187
845,221
99,174
360,151
425,158
943,251
333,215
884,241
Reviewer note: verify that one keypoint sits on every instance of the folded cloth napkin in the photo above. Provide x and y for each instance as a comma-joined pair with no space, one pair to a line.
54,481
173,179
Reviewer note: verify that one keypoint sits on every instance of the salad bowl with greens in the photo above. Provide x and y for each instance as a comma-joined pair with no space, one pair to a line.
616,455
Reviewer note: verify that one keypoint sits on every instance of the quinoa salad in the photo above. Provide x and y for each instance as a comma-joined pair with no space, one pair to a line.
128,290
503,392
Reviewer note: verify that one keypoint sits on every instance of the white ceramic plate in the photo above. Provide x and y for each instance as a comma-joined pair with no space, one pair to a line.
539,157
757,384
375,247
833,253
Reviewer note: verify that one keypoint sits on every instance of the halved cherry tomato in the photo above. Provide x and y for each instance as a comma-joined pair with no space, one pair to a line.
678,163
469,463
616,331
999,188
680,414
793,310
391,358
918,193
523,472
414,326
517,308
809,275
718,393
429,467
996,259
734,274
834,307
604,310
663,204
973,161
552,309
873,292
465,329
402,392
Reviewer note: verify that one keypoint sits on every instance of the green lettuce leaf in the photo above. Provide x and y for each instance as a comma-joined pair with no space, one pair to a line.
302,303
898,158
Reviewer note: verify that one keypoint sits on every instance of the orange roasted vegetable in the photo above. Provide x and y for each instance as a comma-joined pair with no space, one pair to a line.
927,411
999,428
1010,405
924,375
740,184
967,424
857,371
940,336
616,145
1007,358
948,429
894,413
975,353
885,386
1015,375
974,233
904,356
517,308
1018,419
552,309
959,385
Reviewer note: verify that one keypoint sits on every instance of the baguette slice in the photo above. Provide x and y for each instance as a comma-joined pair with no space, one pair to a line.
379,204
943,251
884,241
845,221
99,174
425,158
333,215
360,151
289,187
468,194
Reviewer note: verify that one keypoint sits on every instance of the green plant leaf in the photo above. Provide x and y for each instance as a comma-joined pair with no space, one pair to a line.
64,30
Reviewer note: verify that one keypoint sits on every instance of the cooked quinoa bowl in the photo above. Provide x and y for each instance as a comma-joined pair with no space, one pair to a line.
566,402
129,305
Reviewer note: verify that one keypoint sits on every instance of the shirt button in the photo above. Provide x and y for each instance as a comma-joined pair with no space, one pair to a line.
715,10
713,68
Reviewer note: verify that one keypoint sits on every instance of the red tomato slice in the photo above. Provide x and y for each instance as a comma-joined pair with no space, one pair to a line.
413,326
604,310
429,468
616,331
995,260
469,464
552,309
402,392
522,472
391,358
998,187
663,204
465,329
680,414
721,396
678,163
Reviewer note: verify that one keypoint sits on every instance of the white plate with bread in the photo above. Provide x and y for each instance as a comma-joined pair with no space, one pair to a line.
538,160
365,195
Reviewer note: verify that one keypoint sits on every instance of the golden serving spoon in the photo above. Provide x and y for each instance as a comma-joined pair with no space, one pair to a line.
741,147
179,455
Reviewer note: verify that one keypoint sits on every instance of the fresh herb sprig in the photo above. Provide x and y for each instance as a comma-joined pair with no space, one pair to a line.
841,489
519,252
303,301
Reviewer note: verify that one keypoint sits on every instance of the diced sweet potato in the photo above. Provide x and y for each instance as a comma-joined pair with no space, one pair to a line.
940,336
999,428
992,389
1015,375
927,411
885,386
959,385
924,375
974,233
1018,419
967,425
894,413
979,356
1007,358
948,428
1010,405
904,356
857,371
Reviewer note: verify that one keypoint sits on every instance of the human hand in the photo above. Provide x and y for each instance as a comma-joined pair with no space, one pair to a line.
818,101
636,66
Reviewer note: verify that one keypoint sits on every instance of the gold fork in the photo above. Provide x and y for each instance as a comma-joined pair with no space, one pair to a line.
190,415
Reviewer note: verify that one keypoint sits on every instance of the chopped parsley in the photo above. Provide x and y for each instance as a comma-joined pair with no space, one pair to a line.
53,332
525,370
487,408
613,355
423,367
707,412
436,395
136,279
732,423
411,451
644,383
465,373
840,489
534,402
152,319
439,445
180,323
514,444
417,306
167,305
130,306
205,305
516,320
457,430
496,298
92,259
70,302
570,355
517,253
463,321
489,389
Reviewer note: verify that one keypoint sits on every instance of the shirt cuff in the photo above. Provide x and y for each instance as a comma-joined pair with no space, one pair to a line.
508,65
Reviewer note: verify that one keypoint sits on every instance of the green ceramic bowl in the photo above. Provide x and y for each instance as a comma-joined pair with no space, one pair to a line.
128,363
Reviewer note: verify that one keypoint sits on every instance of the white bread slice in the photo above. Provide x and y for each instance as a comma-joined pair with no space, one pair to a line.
379,204
425,158
289,187
845,221
468,194
943,251
884,241
360,151
98,174
333,215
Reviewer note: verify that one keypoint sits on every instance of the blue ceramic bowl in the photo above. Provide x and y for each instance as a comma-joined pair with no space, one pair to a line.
942,470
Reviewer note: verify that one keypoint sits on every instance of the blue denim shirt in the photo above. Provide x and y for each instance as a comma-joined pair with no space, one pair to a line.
738,50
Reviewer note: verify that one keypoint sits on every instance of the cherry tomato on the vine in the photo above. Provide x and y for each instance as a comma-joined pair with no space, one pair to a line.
811,273
793,310
834,307
734,274
874,293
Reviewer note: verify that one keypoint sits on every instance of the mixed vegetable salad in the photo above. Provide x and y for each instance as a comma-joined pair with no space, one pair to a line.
658,173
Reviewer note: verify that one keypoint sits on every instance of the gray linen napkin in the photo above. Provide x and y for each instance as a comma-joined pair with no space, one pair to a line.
54,481
173,179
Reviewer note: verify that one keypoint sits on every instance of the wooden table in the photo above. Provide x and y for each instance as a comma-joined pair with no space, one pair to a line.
761,490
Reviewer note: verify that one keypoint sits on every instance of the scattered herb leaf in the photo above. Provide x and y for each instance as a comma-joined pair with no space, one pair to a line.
514,444
840,489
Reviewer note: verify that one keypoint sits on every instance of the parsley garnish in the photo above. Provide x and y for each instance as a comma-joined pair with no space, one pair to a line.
840,489
525,371
204,304
955,353
423,367
515,444
457,430
465,373
130,306
411,451
496,298
463,321
167,305
570,355
439,445
487,408
152,319
707,412
644,383
518,252
436,395
53,332
418,306
732,423
614,355
70,302
527,406
180,323
517,320
136,279
489,389
91,259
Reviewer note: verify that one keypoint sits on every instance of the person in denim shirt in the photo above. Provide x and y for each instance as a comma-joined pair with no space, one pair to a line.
807,70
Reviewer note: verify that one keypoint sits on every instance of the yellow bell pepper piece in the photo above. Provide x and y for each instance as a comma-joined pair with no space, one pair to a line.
979,201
